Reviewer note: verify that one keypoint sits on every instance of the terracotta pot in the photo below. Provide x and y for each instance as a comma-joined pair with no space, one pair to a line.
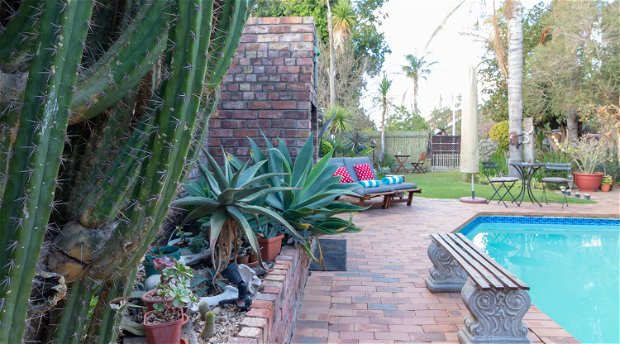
588,182
252,260
243,260
149,299
165,333
605,187
270,248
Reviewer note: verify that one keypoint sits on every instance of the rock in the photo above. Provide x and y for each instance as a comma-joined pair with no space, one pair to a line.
192,259
152,281
250,278
216,310
230,292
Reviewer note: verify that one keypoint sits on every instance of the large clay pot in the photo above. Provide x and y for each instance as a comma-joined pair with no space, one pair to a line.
270,248
165,333
588,182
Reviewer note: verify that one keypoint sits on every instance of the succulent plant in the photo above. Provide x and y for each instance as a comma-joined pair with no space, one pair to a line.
312,204
232,200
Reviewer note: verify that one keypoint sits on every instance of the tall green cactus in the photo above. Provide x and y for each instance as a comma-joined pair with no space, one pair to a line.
104,145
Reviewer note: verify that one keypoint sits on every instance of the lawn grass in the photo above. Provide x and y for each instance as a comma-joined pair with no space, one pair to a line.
450,185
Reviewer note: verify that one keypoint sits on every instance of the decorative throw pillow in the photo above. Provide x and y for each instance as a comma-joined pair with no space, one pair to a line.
369,183
364,172
392,180
344,174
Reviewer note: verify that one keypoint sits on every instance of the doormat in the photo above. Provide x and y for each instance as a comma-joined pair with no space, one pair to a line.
334,255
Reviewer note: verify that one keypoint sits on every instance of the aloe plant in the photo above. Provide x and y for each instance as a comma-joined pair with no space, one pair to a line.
99,119
232,198
312,204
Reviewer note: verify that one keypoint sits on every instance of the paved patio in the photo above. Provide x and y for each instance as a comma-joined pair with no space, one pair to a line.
382,297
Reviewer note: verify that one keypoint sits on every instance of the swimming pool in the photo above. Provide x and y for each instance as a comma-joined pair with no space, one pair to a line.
570,264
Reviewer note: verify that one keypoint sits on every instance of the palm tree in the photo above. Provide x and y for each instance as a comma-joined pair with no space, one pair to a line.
332,57
515,79
343,18
417,68
384,102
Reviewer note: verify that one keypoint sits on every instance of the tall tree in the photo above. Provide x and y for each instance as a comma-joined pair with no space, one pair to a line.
384,103
343,20
417,67
332,56
515,81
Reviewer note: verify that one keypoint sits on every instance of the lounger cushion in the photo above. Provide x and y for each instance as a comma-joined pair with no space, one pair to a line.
344,174
378,189
403,186
364,172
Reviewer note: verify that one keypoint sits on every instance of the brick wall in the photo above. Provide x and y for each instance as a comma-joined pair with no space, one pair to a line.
272,316
270,86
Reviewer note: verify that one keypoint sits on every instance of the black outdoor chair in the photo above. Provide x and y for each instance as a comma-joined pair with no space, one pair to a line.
491,172
557,173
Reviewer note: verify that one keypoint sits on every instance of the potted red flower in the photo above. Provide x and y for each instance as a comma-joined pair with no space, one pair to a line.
163,324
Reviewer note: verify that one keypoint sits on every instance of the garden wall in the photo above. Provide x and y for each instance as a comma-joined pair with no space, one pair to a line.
270,86
272,316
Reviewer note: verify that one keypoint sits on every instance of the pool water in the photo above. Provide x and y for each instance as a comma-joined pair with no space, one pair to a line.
570,264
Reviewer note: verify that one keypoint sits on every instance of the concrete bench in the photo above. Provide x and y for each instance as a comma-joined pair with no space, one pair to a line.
496,299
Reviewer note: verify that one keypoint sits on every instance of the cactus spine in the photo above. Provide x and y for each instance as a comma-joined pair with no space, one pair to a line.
209,330
159,79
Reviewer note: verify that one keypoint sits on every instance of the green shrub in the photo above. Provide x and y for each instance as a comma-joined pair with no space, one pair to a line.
500,134
325,148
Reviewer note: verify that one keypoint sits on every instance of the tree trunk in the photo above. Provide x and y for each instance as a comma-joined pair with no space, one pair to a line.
415,96
332,57
515,85
382,151
572,125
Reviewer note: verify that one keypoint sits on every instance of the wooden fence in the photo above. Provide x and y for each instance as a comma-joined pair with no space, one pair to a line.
402,143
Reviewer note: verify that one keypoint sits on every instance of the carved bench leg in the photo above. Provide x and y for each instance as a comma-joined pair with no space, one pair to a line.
496,316
446,275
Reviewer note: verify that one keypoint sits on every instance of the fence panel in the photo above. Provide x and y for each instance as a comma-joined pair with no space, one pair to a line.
402,142
445,153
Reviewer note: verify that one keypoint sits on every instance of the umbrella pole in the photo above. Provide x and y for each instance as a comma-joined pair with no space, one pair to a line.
473,191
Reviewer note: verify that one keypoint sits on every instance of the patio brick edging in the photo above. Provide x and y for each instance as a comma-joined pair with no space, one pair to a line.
272,316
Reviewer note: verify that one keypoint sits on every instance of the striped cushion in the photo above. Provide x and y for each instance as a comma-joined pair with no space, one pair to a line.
370,183
344,174
392,180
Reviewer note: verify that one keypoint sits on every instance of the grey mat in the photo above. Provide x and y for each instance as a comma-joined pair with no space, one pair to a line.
334,255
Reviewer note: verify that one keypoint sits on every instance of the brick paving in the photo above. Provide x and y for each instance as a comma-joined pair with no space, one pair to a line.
382,297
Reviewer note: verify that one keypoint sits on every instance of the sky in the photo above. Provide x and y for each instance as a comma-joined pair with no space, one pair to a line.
407,29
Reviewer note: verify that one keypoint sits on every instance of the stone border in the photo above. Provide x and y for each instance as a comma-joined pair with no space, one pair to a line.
272,316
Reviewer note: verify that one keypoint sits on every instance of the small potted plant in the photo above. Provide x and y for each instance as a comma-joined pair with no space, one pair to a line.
163,324
270,240
606,183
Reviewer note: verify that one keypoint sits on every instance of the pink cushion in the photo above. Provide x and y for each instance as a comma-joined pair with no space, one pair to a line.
344,174
364,172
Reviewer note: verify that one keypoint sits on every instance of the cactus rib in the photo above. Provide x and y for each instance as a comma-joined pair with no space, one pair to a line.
123,66
18,36
75,312
62,33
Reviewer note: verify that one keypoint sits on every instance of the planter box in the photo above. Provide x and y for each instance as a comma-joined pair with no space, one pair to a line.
272,316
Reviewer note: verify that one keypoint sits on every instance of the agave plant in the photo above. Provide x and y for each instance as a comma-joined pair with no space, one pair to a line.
308,198
232,198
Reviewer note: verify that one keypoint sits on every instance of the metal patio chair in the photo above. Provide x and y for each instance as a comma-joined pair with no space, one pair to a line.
498,182
557,173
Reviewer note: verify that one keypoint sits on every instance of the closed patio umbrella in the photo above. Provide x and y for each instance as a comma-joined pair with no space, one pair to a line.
469,134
